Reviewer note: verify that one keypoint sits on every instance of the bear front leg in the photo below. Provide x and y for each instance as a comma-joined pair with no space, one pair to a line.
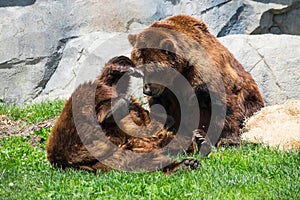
186,164
200,143
119,110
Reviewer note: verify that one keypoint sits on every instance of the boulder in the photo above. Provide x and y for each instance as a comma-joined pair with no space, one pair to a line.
280,21
40,41
273,61
82,60
34,35
225,17
277,126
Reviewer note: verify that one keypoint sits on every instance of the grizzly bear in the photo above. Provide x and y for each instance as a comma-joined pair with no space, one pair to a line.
87,136
225,93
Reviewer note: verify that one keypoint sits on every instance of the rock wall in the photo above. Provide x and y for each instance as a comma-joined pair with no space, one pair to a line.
273,61
280,21
48,47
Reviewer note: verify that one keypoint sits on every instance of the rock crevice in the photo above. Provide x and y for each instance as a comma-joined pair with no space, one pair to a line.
14,62
280,21
12,3
232,21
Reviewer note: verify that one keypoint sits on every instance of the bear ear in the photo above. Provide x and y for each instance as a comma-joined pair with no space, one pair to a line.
132,39
167,45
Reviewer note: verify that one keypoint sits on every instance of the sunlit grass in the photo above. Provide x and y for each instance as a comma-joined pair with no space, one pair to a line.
33,113
244,172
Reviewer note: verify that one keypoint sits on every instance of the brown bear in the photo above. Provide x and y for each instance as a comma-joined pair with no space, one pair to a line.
86,131
225,92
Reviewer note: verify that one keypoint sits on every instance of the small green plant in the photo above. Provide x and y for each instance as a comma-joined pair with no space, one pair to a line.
43,133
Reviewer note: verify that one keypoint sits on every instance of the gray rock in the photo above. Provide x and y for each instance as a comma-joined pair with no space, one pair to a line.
33,36
280,21
30,49
283,2
235,17
82,60
226,17
11,3
46,47
273,61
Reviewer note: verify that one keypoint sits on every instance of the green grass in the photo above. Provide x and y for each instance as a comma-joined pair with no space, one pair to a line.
245,172
33,113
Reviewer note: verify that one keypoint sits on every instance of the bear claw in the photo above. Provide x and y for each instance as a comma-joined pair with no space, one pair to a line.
190,163
203,143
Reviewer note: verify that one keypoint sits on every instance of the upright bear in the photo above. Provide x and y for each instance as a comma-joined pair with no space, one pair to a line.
225,92
87,131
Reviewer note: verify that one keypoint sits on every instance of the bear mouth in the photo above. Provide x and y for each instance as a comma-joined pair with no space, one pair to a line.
153,91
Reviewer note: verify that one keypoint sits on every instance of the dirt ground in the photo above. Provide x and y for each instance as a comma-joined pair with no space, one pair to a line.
10,127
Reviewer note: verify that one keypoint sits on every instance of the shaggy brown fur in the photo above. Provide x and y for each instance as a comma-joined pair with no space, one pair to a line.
77,140
184,43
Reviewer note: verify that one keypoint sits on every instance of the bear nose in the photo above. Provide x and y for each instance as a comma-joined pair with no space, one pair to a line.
147,89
